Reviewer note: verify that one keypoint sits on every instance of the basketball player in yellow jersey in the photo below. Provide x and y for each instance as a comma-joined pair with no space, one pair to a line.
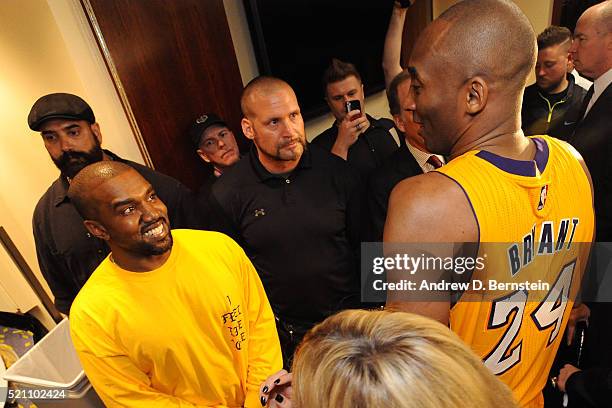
469,68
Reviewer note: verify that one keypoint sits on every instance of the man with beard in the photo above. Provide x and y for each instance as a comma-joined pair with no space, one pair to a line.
363,141
168,319
294,208
67,252
549,103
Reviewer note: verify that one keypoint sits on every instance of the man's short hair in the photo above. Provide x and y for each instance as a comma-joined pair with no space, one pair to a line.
392,97
554,35
337,71
87,180
263,84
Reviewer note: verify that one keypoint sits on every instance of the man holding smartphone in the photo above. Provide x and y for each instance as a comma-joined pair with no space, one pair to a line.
363,141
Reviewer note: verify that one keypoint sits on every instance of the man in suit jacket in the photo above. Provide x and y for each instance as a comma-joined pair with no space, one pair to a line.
411,159
592,55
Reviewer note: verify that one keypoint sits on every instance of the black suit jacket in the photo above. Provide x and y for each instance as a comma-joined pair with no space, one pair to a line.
400,165
593,139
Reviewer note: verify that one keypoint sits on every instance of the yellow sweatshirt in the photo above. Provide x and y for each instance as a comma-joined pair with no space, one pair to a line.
198,331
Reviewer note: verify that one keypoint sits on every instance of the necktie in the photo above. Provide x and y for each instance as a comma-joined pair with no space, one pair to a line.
585,102
434,161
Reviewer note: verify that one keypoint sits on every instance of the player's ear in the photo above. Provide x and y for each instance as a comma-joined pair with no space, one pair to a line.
477,93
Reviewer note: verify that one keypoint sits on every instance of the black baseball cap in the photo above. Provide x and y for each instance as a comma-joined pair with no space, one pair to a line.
59,106
201,124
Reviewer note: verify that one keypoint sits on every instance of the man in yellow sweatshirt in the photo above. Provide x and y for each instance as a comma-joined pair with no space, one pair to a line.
168,319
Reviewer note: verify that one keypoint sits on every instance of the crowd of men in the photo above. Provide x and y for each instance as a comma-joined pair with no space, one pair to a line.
153,303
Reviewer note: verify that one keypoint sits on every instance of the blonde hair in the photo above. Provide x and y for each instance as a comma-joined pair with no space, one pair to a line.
364,359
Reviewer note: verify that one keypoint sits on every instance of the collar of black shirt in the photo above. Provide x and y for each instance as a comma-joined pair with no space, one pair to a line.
263,174
60,190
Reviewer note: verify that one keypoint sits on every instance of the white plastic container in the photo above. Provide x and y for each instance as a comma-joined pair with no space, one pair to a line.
52,369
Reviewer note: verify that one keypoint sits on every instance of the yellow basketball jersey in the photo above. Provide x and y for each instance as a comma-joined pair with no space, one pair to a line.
535,219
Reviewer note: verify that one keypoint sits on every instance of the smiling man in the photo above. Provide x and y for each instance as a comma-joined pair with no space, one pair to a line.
67,253
499,190
168,319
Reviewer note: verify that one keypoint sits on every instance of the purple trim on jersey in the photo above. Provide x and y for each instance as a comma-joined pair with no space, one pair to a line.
520,167
471,272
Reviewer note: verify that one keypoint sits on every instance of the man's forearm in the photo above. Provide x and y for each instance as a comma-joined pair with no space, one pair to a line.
392,53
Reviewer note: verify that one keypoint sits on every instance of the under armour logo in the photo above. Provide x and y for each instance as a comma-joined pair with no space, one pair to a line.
260,212
202,119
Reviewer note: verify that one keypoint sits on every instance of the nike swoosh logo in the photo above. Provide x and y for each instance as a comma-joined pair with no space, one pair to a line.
566,123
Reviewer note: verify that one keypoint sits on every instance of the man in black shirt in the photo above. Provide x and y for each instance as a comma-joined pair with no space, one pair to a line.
295,209
548,105
67,253
358,138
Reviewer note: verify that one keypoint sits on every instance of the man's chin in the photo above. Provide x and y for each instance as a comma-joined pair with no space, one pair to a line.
156,248
292,153
545,87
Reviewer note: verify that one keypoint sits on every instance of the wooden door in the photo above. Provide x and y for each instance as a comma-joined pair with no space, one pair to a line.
171,61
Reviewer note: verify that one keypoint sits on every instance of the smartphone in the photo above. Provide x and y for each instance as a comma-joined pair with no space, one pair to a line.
353,105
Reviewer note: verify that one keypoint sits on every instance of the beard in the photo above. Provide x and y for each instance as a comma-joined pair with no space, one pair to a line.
149,249
71,162
285,155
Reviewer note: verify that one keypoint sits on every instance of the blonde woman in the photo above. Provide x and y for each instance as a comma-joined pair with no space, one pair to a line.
369,359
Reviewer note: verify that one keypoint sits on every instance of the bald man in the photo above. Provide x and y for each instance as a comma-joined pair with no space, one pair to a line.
511,195
168,319
294,208
592,54
591,51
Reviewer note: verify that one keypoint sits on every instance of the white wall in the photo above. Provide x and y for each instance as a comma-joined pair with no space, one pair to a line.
46,47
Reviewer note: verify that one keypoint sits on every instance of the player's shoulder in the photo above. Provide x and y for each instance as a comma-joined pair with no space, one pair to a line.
435,205
433,187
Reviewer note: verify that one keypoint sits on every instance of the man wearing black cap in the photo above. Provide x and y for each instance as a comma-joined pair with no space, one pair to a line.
67,253
215,144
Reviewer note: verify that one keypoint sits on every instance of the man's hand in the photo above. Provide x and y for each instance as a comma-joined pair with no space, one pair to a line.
349,130
276,390
580,313
564,375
